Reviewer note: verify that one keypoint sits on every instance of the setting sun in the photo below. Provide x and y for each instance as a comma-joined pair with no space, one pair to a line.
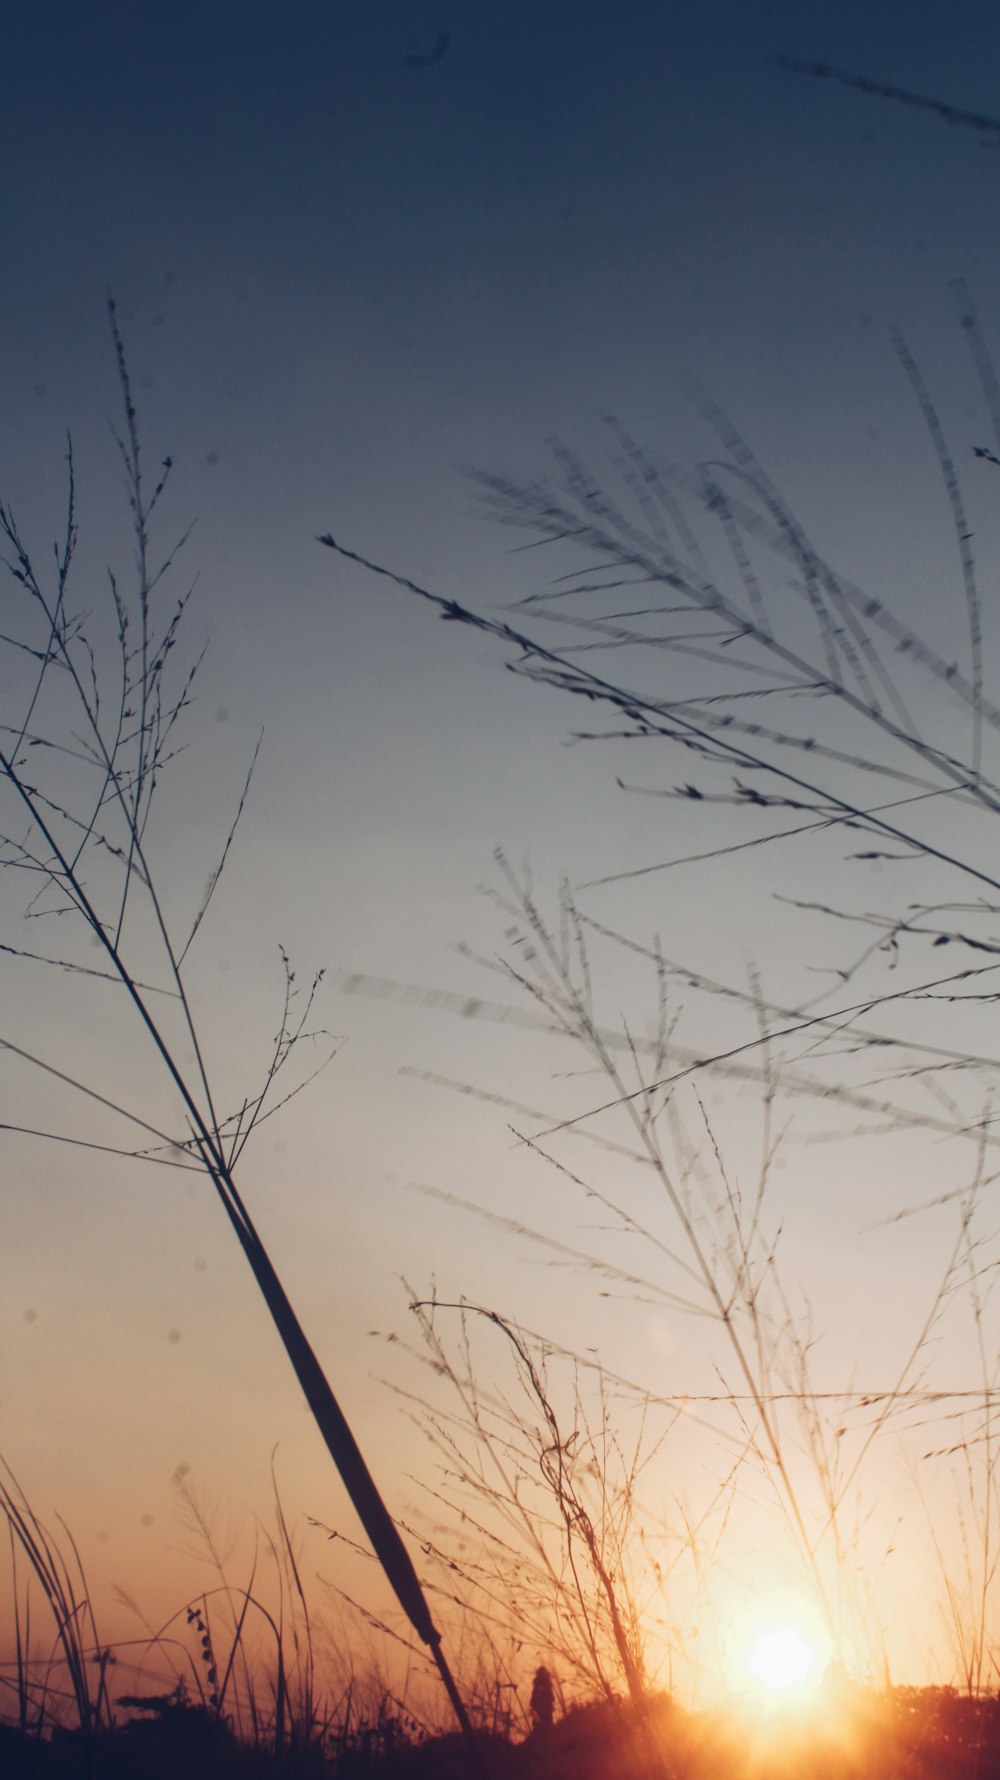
781,1660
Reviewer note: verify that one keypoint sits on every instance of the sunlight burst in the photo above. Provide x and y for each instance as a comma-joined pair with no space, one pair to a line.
781,1660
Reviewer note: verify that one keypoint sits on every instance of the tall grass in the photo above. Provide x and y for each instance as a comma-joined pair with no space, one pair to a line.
547,1503
246,1663
62,1677
102,705
552,1500
692,607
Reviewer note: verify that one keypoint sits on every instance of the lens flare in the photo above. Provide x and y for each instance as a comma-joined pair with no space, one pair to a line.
781,1660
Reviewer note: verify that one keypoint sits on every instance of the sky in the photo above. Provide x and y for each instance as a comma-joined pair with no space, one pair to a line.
345,279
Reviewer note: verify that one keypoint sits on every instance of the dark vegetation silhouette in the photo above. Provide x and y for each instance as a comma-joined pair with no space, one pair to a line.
542,1484
828,719
80,766
543,1701
834,721
879,89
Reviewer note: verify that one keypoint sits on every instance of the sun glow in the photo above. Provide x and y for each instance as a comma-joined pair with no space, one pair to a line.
781,1661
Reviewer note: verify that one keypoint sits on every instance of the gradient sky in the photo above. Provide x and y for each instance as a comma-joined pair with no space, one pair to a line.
341,280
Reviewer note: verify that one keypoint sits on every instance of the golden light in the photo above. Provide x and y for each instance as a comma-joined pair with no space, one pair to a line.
781,1660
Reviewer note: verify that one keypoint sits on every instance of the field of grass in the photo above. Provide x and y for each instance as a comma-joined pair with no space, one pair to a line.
247,1681
546,1478
925,1734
